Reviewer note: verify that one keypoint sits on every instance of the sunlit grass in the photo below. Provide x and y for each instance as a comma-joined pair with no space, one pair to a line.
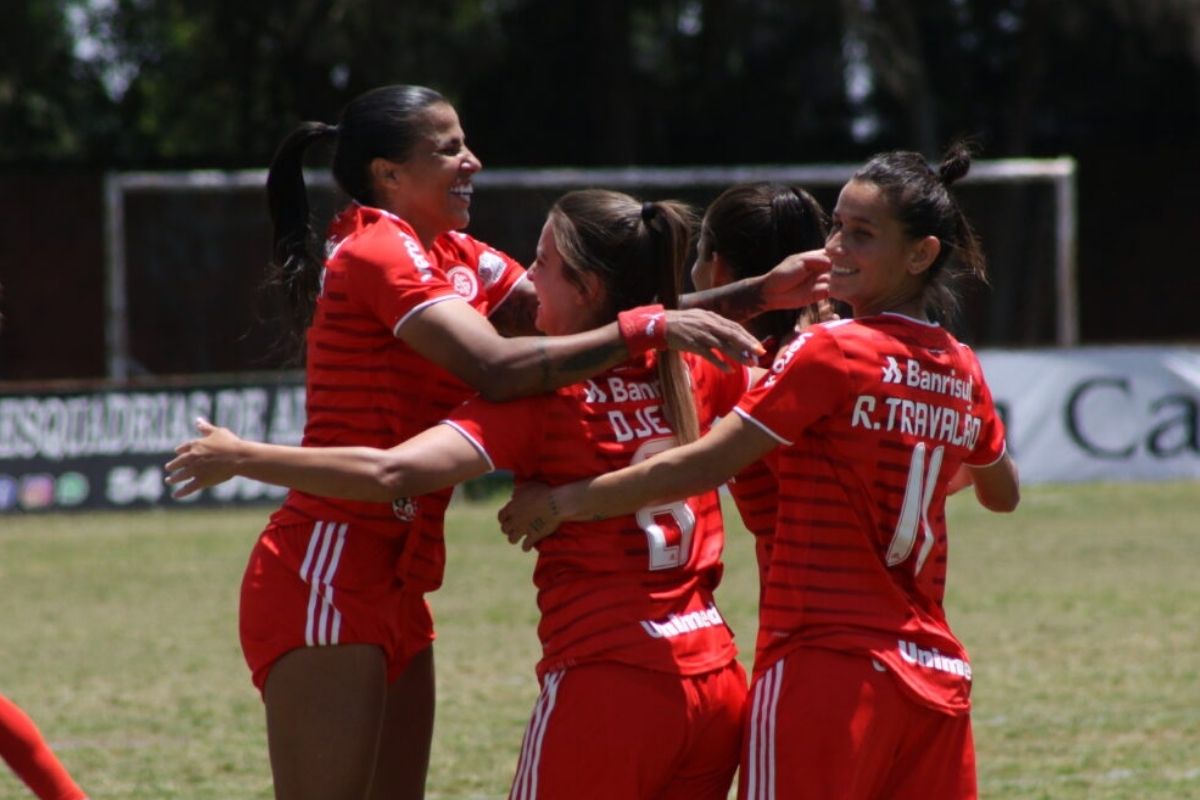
1080,612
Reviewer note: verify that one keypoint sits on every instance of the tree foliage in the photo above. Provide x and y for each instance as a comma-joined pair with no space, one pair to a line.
218,82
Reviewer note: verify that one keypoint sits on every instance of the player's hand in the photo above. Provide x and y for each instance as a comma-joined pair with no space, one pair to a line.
798,280
710,335
531,515
204,462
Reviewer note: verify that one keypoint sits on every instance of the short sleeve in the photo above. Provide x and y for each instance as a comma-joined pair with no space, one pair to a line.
507,434
719,390
807,382
991,443
390,273
497,272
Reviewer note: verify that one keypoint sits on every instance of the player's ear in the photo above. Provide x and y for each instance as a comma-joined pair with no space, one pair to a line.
383,171
722,272
923,253
593,292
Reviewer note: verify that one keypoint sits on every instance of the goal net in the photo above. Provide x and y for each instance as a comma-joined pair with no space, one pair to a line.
186,251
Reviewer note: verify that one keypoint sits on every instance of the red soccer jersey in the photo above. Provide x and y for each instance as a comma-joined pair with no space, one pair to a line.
367,387
755,490
635,589
876,414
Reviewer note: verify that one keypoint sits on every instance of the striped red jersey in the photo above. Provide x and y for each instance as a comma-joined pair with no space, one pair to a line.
634,589
366,387
755,491
876,415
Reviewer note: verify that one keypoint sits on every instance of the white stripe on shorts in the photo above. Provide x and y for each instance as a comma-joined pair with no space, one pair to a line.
324,624
764,702
525,784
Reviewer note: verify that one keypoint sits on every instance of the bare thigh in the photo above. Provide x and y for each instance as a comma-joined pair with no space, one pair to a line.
407,732
325,708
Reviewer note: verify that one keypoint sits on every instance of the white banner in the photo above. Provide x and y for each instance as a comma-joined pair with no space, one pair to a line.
1099,413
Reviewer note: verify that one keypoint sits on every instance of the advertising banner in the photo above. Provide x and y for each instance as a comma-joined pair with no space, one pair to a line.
1100,413
1079,414
106,448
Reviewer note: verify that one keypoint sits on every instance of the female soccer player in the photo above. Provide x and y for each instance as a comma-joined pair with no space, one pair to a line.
641,692
746,231
860,688
334,625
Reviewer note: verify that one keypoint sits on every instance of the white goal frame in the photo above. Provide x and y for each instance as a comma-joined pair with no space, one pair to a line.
1060,172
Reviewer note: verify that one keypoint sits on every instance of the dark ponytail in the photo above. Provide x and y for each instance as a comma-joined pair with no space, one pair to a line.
382,123
296,258
754,226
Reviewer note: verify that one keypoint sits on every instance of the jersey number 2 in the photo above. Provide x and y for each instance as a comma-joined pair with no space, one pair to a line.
914,512
668,526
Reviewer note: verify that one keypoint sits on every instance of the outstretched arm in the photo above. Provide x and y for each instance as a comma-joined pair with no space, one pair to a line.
434,459
455,336
535,510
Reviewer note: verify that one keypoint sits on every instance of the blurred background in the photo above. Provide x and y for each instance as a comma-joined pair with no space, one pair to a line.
93,87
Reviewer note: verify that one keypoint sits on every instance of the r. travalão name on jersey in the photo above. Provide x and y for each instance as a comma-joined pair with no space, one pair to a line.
913,417
679,624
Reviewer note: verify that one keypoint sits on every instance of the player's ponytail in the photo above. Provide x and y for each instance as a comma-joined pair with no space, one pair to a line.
668,224
296,262
754,226
638,251
382,123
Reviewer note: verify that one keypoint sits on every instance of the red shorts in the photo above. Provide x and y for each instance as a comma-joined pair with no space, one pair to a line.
823,724
327,584
610,730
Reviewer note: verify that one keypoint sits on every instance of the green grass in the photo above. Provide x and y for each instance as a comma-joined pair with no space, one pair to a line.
1081,612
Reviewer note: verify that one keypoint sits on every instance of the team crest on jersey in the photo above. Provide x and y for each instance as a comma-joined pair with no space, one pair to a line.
491,267
463,280
405,509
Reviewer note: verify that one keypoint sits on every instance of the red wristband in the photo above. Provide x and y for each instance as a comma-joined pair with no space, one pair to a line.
643,328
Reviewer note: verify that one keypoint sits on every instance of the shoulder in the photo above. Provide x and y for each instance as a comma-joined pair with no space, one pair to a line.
367,233
456,249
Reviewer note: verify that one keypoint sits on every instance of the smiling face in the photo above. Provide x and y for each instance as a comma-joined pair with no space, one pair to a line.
431,189
876,265
564,305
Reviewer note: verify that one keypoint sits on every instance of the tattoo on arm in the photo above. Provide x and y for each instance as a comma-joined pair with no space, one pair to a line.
561,370
736,301
567,369
547,367
591,361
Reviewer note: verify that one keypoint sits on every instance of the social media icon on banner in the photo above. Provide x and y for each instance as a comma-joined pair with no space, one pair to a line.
37,491
72,489
8,492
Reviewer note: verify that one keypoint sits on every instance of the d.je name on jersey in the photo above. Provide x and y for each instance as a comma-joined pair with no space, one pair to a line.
916,417
629,424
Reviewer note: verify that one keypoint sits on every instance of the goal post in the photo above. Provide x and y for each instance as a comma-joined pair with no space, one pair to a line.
1060,173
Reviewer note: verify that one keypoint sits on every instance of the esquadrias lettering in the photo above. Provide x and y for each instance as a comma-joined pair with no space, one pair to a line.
120,423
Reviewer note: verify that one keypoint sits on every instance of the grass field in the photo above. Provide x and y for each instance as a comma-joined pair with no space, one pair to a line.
1081,612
